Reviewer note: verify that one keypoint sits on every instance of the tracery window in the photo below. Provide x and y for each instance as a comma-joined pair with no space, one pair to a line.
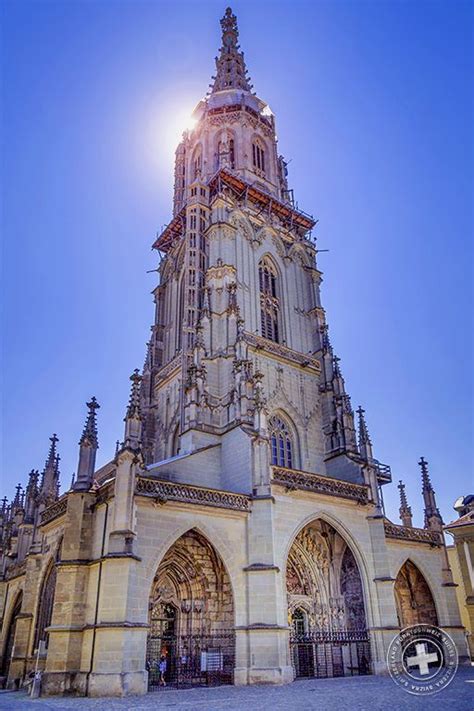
258,156
269,301
282,453
45,608
197,162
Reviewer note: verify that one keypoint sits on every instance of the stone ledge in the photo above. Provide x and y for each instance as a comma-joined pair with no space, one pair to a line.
165,490
257,567
296,479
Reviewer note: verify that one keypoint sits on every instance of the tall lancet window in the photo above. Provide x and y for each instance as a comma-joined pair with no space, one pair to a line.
282,452
197,162
258,156
269,300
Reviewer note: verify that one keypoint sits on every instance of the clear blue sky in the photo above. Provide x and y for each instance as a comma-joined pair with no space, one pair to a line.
373,102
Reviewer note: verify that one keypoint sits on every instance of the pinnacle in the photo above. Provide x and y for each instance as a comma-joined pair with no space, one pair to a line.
231,70
89,434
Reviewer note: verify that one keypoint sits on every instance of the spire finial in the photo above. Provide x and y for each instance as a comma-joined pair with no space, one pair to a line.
133,424
231,70
133,409
52,451
432,515
50,475
89,434
17,500
365,443
404,510
88,445
425,477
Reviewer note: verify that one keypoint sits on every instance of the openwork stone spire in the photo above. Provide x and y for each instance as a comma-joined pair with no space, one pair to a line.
88,445
432,515
231,71
404,510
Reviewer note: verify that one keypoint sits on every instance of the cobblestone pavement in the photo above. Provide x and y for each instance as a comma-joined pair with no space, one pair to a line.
354,694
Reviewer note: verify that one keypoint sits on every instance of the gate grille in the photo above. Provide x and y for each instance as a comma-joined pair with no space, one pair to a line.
191,660
325,654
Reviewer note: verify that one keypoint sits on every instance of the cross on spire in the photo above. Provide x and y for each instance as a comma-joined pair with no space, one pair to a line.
52,451
231,70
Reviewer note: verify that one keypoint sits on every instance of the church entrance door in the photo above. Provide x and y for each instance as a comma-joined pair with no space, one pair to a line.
191,617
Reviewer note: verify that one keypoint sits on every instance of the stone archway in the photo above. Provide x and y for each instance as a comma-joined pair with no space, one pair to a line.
191,615
10,638
323,583
414,601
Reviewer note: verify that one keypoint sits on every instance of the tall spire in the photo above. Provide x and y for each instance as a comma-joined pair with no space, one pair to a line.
365,444
404,510
133,421
432,515
231,70
88,445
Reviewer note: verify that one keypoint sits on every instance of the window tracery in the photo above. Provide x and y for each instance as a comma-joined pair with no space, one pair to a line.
281,443
269,301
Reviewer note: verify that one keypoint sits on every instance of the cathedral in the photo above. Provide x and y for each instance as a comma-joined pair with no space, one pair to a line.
238,534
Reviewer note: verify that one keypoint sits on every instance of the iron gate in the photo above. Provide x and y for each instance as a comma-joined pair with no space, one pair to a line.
327,653
191,660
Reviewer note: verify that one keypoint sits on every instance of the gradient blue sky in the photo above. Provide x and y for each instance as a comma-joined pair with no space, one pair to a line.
373,102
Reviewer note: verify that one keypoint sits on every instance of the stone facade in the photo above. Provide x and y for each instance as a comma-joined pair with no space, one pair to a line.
242,499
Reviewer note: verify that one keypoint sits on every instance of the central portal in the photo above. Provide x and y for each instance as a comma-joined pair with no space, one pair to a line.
326,605
191,615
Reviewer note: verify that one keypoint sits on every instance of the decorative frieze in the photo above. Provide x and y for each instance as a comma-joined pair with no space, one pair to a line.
294,479
169,368
284,352
417,535
54,511
165,491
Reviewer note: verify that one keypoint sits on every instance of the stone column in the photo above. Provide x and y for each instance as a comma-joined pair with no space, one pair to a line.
263,643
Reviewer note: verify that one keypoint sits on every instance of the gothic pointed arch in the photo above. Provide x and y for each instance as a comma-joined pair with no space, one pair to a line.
9,636
326,607
284,445
414,600
322,573
44,612
192,577
191,614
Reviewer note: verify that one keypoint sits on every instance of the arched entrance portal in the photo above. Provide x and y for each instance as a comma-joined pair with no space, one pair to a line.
191,617
326,605
415,604
10,639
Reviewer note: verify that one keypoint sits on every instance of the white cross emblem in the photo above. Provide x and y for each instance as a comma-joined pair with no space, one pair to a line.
422,659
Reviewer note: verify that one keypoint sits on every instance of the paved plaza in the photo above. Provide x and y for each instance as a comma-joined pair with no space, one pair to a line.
357,694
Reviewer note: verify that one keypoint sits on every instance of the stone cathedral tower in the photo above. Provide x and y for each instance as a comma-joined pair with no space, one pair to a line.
239,529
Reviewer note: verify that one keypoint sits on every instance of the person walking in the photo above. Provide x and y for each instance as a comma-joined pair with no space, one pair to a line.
162,668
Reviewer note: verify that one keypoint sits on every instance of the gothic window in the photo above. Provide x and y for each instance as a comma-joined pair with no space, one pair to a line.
45,608
269,301
197,163
282,454
258,156
226,149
